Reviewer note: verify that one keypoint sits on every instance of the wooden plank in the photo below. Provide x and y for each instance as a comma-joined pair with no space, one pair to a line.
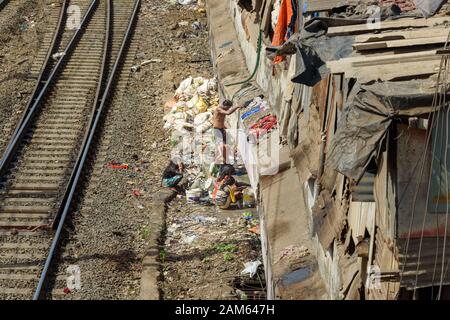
342,65
392,71
386,25
267,17
325,5
16,291
399,43
401,35
25,209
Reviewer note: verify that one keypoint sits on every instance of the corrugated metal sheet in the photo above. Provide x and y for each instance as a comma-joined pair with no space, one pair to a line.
363,191
429,265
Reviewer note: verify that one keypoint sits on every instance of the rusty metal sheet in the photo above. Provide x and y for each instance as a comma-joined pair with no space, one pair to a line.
424,270
320,96
328,219
414,217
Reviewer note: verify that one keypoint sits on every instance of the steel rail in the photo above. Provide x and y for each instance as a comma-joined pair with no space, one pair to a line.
98,91
78,169
3,4
14,143
44,69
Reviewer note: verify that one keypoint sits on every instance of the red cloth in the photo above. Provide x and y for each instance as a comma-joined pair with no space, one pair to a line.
285,16
264,125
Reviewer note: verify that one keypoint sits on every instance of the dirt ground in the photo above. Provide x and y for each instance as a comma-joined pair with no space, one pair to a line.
205,251
203,269
22,24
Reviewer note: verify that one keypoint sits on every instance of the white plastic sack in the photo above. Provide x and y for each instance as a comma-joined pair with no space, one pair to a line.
189,239
203,89
184,85
191,103
186,2
203,127
251,268
202,118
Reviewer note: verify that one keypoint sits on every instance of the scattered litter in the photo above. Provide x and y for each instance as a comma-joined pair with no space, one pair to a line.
140,206
189,239
249,200
204,220
23,26
58,55
173,228
187,2
181,49
135,68
200,219
150,61
137,193
116,165
292,250
141,55
247,216
255,230
241,294
251,268
197,25
193,195
66,290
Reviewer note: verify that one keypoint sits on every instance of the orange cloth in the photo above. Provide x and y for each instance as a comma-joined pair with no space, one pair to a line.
279,36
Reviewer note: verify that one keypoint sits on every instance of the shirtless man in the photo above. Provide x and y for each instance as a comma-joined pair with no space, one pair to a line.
219,124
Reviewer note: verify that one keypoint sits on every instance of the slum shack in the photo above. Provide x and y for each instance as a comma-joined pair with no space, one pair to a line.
359,92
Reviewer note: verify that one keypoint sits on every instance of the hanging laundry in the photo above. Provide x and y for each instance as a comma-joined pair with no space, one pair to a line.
263,126
285,25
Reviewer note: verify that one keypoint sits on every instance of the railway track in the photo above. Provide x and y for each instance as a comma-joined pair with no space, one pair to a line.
3,4
44,161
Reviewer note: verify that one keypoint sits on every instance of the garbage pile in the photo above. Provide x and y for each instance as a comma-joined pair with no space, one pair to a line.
189,118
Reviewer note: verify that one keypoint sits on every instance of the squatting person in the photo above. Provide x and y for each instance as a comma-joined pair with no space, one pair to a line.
173,173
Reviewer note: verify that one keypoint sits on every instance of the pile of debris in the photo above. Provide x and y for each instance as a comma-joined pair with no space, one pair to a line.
189,117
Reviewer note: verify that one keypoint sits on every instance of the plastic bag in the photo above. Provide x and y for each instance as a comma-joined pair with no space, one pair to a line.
184,85
251,268
170,104
201,105
203,127
202,118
